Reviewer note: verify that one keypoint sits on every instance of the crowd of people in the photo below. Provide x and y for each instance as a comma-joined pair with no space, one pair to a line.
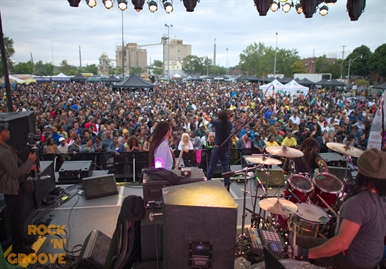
80,118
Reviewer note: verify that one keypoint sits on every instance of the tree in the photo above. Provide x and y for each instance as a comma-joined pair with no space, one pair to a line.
191,64
92,68
377,61
157,71
23,68
333,69
359,67
46,69
136,70
9,52
158,63
67,69
207,63
297,67
250,59
218,70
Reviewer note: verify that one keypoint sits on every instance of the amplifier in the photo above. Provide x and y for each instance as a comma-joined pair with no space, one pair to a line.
74,171
333,159
152,189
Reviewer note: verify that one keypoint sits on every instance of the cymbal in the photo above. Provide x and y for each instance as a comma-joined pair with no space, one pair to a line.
284,151
278,206
262,160
345,149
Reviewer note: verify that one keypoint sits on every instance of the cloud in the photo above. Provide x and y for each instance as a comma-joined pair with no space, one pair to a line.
53,31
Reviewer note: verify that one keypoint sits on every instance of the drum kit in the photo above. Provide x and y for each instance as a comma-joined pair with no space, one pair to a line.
306,202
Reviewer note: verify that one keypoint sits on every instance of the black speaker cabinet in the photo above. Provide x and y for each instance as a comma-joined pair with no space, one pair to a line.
5,228
20,125
94,251
99,186
199,226
276,177
340,173
151,235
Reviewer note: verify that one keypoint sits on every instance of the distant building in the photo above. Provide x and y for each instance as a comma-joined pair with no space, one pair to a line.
133,56
178,51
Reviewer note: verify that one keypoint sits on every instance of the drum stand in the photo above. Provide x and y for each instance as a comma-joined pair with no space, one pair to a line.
348,160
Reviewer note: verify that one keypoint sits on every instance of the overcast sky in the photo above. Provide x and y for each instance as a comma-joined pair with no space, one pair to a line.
53,31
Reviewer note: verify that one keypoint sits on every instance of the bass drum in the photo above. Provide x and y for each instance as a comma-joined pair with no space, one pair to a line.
309,220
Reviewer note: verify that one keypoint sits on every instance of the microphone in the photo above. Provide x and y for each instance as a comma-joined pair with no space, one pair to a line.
228,174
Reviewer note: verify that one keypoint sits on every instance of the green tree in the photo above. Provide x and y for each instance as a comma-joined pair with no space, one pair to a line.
67,69
333,69
320,63
92,68
218,70
158,63
207,62
250,59
359,66
297,67
157,71
9,52
136,70
46,69
377,61
23,68
192,64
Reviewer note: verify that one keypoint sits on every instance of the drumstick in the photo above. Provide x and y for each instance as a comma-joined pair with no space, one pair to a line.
324,202
295,232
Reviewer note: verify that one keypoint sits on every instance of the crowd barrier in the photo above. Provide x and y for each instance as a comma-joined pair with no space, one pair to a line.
128,165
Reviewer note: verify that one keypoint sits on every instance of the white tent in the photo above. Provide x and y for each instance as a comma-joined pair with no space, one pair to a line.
294,88
275,85
12,79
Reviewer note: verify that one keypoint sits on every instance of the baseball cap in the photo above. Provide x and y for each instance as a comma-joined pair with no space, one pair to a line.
62,139
4,126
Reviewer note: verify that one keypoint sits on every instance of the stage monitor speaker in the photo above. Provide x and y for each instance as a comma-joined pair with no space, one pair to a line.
151,235
20,125
94,251
340,173
199,226
276,177
99,186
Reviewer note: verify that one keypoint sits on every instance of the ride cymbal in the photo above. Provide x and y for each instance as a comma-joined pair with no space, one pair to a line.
345,149
262,160
284,151
278,206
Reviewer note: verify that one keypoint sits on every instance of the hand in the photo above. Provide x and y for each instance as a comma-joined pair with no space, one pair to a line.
32,156
33,167
300,253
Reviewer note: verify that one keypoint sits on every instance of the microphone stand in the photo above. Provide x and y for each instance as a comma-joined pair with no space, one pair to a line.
242,236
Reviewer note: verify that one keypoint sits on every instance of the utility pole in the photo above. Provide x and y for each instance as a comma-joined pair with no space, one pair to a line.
214,53
80,58
274,63
341,65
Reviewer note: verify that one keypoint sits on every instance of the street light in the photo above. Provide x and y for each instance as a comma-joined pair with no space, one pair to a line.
168,26
123,54
227,63
274,63
349,66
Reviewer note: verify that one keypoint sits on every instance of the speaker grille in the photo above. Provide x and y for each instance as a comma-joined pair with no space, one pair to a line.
99,186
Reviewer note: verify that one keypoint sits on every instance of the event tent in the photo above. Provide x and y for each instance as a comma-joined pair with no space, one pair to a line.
275,85
133,81
111,79
79,77
294,88
381,86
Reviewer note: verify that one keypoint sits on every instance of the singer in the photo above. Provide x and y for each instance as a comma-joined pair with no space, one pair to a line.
223,128
309,162
160,155
12,171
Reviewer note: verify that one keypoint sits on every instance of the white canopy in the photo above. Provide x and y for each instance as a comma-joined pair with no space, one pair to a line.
275,85
294,88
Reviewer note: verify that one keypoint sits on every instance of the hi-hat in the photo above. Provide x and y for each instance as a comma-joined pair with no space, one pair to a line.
262,160
278,206
284,151
344,149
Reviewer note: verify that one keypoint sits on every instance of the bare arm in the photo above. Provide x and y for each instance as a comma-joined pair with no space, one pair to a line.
347,232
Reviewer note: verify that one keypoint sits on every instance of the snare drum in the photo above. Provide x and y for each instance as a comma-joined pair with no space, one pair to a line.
310,220
328,187
299,186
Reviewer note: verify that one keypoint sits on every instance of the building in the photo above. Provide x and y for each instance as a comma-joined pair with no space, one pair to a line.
134,56
177,52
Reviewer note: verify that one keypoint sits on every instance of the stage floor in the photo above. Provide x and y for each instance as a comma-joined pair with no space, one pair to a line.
79,216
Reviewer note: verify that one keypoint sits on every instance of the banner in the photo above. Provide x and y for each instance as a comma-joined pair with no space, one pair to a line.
375,139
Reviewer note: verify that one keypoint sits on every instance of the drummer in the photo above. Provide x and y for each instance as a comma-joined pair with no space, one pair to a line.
307,163
359,240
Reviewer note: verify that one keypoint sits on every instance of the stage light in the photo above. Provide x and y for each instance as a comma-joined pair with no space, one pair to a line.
286,7
323,10
91,3
275,6
330,2
152,6
299,8
122,4
263,6
138,4
190,5
309,7
355,8
74,3
108,3
168,6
